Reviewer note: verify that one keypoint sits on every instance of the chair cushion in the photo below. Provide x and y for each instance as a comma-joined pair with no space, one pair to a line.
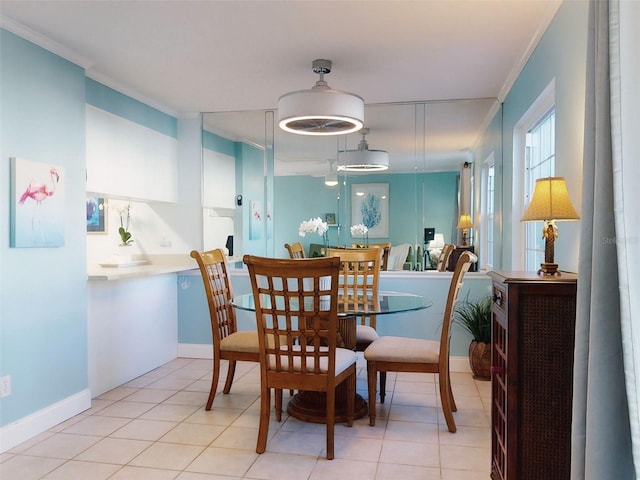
242,341
344,359
402,349
366,334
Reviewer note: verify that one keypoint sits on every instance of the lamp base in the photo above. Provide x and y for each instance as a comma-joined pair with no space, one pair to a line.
548,269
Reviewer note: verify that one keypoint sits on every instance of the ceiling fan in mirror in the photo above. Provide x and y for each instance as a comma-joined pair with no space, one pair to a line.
363,159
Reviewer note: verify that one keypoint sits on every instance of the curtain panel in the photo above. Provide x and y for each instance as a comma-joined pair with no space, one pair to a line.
601,436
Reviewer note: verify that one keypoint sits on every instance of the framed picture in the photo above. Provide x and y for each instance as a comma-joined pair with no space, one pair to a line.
96,215
37,204
370,206
330,218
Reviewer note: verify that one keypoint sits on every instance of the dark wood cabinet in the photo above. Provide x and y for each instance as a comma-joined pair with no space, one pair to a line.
533,337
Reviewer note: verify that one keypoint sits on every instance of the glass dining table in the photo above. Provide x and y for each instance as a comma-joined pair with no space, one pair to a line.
311,406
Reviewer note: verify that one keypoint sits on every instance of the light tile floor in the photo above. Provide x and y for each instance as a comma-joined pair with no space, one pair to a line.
155,427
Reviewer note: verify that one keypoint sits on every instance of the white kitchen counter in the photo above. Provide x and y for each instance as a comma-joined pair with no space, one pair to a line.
156,265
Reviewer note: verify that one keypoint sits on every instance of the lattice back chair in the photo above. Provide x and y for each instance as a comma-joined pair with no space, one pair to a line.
358,288
228,343
401,354
296,250
386,250
443,260
297,318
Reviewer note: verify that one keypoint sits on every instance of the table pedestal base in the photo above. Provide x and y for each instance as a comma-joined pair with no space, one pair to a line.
312,406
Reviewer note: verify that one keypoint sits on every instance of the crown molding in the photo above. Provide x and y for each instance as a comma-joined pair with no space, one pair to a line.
40,40
547,17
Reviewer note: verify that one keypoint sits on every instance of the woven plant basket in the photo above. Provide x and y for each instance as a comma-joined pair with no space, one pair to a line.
480,360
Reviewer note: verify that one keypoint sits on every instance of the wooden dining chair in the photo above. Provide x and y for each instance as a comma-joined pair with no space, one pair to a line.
296,250
386,250
358,287
401,354
443,259
228,343
297,318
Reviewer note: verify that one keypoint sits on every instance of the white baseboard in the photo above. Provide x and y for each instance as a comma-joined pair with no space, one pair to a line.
198,350
195,350
459,364
28,427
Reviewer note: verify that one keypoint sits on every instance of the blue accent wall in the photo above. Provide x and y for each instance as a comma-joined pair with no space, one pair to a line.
112,101
560,57
43,299
214,142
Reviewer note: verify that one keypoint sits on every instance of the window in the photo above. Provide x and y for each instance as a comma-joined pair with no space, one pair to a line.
533,157
540,155
488,213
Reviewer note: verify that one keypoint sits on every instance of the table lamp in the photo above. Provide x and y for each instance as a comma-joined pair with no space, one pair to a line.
550,202
464,223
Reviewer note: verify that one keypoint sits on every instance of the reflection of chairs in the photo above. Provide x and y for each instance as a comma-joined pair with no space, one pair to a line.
296,250
419,258
443,260
297,317
400,354
358,287
228,343
409,262
386,249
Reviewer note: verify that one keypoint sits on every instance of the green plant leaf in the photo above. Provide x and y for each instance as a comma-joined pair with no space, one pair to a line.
124,235
475,317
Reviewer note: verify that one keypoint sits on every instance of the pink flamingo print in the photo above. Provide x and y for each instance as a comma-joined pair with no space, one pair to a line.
40,191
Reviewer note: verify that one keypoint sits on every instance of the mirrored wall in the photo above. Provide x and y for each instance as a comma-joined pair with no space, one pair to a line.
278,178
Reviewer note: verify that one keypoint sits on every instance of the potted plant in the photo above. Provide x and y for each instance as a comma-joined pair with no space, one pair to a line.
475,318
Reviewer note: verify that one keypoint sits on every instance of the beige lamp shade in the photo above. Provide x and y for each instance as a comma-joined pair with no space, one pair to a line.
465,221
550,201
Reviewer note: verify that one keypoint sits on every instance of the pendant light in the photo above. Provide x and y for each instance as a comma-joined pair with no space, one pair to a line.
331,178
321,110
363,159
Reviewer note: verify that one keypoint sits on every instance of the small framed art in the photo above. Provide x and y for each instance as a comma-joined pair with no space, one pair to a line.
96,215
330,218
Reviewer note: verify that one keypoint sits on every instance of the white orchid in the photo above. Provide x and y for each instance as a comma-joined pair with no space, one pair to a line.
359,229
313,225
124,211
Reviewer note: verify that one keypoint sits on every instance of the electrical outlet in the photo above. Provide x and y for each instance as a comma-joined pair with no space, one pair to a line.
5,386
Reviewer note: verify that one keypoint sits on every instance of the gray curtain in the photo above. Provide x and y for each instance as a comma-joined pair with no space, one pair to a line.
601,438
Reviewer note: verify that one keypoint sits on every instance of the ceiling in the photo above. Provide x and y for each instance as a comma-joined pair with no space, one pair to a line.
186,57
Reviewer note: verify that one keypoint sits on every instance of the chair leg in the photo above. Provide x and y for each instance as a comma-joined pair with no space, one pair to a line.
371,384
445,399
278,406
230,372
331,418
383,385
453,401
351,399
263,429
214,381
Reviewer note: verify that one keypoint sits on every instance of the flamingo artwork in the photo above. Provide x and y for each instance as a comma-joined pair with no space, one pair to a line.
38,207
40,191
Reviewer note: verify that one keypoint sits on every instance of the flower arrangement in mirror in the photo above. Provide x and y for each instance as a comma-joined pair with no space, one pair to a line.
361,229
124,211
315,225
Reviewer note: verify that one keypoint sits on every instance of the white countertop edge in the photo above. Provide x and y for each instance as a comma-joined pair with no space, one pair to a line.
158,265
406,274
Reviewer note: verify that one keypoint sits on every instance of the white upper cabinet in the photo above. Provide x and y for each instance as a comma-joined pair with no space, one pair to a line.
219,180
126,159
